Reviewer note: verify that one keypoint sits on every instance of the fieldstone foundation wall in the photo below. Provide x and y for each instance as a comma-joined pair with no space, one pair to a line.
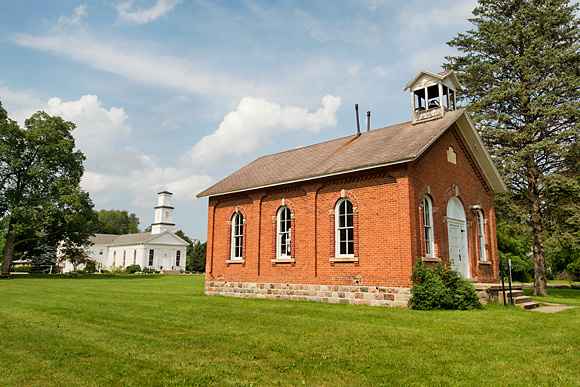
336,294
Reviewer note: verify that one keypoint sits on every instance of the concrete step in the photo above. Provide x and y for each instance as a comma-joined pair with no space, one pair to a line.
522,300
515,294
529,305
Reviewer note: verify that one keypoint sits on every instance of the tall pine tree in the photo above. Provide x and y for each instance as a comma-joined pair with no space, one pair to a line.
520,69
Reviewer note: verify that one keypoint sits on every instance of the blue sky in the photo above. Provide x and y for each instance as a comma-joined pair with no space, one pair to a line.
175,95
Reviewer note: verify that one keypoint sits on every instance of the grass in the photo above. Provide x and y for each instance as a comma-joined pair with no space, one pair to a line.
558,296
162,331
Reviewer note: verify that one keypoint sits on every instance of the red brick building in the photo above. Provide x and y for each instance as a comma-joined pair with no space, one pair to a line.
345,220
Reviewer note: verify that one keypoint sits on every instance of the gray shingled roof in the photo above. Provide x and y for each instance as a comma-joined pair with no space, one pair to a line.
127,239
103,239
379,147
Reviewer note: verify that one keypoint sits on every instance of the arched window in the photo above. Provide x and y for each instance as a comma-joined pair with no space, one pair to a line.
428,227
344,227
481,235
237,236
284,234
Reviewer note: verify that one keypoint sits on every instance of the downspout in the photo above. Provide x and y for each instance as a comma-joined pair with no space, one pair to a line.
316,230
260,233
212,237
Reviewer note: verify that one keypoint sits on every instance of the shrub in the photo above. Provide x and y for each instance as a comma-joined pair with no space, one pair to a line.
90,266
132,269
22,269
116,269
439,287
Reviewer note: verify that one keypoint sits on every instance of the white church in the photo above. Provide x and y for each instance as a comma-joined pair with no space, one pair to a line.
160,249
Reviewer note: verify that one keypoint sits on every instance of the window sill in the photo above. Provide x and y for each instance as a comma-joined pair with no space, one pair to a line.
484,262
430,259
236,261
344,259
283,260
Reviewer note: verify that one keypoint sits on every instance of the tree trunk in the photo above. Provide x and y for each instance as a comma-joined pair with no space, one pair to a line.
540,288
8,252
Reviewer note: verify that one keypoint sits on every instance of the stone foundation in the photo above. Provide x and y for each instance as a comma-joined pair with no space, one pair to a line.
335,294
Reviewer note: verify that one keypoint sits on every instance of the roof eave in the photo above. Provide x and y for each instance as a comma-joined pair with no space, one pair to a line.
309,178
479,150
451,74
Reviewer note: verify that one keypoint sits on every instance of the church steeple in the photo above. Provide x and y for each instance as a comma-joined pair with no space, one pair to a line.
433,94
163,213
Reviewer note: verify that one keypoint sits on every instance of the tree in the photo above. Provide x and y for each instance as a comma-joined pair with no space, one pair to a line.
77,256
40,172
198,257
117,222
519,67
196,251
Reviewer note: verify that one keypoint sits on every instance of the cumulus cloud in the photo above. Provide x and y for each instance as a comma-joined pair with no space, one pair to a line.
141,16
112,169
255,122
95,124
144,184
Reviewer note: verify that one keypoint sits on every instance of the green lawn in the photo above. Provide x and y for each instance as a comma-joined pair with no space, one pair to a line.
558,296
162,331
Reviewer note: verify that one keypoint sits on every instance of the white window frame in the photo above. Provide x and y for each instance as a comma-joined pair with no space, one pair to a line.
237,237
481,235
429,243
338,228
178,258
151,258
284,234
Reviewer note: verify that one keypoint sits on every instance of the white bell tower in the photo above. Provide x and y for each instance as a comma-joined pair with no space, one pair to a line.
433,94
163,214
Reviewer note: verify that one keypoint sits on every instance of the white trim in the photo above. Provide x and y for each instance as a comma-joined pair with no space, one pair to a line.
280,233
337,229
234,236
484,160
481,235
428,232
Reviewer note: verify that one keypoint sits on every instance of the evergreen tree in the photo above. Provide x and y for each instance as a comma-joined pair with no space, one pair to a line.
198,257
519,68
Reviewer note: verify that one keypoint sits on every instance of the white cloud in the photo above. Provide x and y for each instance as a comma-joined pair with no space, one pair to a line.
416,26
96,126
255,121
173,113
144,184
76,21
142,16
143,66
112,168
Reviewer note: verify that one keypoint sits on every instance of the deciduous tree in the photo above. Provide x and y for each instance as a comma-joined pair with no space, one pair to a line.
40,172
519,67
118,222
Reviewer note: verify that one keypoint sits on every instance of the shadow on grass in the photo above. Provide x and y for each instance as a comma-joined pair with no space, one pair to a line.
97,276
558,296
